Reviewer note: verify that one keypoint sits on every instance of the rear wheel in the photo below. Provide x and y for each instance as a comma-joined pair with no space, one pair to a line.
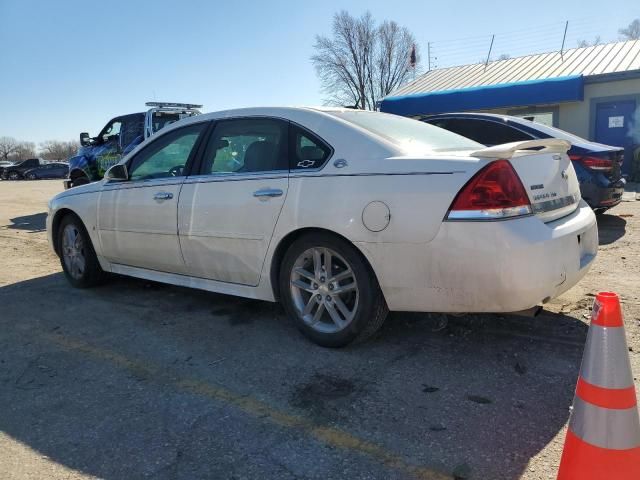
330,291
31,176
77,256
14,176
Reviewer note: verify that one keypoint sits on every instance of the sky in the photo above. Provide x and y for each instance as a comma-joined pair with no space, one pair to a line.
69,66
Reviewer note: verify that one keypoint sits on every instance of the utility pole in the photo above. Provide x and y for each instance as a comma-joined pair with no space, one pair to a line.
489,54
564,37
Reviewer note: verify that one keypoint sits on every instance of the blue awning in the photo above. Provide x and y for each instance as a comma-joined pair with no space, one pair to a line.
532,92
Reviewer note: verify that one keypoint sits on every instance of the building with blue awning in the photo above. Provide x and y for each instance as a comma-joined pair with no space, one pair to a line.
593,92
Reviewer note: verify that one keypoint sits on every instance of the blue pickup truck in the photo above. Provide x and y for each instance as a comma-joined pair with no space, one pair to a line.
121,135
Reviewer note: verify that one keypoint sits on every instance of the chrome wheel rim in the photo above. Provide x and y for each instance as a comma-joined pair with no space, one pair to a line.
73,251
324,290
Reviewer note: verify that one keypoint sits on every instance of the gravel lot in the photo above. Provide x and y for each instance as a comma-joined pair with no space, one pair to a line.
142,380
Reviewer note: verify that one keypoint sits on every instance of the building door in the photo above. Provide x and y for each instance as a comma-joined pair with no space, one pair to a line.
614,121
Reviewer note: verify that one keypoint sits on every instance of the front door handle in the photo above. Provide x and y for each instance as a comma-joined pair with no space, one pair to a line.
163,196
268,192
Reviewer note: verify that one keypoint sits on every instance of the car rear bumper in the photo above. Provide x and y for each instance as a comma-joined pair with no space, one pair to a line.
602,197
502,266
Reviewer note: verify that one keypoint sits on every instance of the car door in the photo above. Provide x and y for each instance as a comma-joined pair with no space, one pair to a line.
227,213
137,219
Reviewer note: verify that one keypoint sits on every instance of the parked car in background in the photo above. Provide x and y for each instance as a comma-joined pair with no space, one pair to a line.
16,171
339,214
120,136
47,170
597,166
5,163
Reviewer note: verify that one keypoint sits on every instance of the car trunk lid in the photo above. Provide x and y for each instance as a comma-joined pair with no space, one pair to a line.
546,173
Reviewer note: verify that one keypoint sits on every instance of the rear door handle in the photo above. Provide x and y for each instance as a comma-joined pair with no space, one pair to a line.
163,196
268,192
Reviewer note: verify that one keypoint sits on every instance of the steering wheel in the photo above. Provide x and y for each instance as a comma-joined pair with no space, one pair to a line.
176,171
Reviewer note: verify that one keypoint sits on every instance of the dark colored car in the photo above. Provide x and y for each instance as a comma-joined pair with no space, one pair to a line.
597,166
48,170
16,171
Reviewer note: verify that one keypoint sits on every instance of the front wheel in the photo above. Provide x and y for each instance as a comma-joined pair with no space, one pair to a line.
31,176
330,291
14,176
77,256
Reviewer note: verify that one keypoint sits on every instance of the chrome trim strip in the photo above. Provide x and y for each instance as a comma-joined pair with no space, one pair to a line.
488,214
556,203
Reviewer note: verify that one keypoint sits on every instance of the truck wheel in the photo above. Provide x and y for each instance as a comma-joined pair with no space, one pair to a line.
14,176
82,180
31,176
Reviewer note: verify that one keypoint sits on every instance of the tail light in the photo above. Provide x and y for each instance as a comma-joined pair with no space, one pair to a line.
494,192
594,163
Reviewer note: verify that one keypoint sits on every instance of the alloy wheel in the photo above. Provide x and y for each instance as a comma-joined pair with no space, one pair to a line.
324,290
73,252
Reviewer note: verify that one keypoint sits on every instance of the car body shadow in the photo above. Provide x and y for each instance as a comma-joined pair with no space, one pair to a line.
102,381
32,223
610,228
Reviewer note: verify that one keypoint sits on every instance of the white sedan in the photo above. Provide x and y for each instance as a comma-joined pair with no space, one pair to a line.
339,214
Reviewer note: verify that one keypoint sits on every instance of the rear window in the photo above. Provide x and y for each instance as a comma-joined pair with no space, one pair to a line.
486,132
411,135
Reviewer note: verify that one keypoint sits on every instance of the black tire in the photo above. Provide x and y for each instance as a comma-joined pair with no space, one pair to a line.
371,309
92,274
81,180
31,176
14,176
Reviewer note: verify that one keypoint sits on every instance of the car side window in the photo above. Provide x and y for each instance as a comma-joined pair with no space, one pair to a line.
306,151
167,156
246,145
483,131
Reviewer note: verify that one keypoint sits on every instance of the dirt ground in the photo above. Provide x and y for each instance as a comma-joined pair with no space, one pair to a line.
141,380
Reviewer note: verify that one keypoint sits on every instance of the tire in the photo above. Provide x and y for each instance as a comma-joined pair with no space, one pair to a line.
81,180
77,256
312,300
31,176
14,176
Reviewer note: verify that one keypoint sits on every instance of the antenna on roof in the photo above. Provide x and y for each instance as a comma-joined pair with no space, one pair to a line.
489,54
564,37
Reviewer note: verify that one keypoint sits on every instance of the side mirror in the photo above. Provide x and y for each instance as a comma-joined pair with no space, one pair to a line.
117,173
85,139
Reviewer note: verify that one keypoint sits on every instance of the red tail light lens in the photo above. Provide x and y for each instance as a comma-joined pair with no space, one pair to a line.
594,163
494,192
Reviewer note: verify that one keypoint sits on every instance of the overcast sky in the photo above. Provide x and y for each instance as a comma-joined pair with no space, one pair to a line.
69,66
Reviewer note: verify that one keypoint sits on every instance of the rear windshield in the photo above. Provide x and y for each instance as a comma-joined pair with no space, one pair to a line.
411,135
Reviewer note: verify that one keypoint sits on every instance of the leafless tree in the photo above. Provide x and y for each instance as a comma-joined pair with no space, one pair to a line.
8,147
24,151
586,43
57,150
632,31
362,62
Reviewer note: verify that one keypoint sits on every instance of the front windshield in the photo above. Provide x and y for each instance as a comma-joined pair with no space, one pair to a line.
413,136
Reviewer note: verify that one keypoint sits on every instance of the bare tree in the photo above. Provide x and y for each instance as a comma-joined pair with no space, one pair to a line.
8,147
57,150
24,151
585,43
363,62
632,31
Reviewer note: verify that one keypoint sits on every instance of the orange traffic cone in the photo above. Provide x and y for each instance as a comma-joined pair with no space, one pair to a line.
603,440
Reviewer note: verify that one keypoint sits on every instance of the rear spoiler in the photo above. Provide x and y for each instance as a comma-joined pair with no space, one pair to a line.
507,150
